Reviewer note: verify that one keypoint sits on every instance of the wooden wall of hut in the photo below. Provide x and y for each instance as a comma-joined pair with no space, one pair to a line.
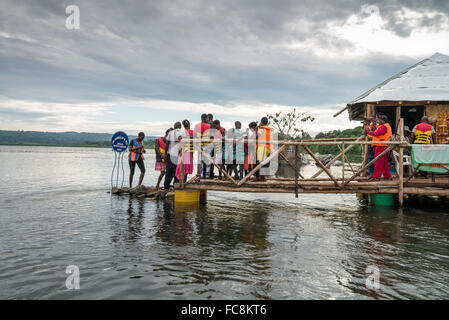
432,111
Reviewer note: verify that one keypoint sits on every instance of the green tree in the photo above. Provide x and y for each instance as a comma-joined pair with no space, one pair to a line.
289,123
354,155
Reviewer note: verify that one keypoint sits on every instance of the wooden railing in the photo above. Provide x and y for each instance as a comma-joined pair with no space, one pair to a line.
340,183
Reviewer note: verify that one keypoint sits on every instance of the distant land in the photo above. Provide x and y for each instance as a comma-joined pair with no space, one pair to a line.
62,139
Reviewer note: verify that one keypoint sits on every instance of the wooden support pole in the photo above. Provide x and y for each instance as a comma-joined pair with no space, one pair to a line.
401,161
368,113
398,118
413,173
343,162
336,157
342,110
365,159
290,164
260,165
348,162
181,168
296,171
194,178
301,183
369,164
321,165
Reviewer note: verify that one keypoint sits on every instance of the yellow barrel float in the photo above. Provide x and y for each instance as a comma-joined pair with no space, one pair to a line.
187,196
187,200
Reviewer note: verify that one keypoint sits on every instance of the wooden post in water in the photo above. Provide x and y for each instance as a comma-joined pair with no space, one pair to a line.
401,164
296,171
343,162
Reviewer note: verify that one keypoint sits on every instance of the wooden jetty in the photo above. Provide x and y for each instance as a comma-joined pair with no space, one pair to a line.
357,182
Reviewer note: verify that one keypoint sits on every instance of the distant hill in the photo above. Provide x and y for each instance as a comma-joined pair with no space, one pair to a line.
78,139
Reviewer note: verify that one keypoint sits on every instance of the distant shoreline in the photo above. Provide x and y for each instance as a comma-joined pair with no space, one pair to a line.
54,145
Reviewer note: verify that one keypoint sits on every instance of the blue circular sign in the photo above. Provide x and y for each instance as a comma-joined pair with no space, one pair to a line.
119,141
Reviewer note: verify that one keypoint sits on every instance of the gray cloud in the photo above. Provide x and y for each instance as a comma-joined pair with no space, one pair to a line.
199,51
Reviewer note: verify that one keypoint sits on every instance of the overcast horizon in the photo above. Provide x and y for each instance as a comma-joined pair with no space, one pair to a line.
142,65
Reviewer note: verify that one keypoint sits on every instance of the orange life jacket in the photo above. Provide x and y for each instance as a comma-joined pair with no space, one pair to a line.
385,137
265,133
134,155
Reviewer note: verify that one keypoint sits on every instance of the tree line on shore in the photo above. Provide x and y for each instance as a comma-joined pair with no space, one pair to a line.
88,139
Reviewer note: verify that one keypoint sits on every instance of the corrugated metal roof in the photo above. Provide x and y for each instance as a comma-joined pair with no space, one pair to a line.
426,80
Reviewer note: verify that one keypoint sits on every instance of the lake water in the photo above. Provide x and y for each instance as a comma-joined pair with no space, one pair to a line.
55,211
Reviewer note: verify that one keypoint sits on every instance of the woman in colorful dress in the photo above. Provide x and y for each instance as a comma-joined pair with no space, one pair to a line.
250,147
188,152
159,147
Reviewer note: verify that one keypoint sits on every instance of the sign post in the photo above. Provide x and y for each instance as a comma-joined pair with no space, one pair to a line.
119,143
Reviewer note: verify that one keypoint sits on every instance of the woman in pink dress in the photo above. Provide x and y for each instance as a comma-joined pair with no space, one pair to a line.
188,152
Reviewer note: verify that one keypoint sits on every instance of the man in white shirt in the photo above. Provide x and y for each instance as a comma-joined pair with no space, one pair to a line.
172,152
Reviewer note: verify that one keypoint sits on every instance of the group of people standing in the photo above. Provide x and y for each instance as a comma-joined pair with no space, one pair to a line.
379,130
234,151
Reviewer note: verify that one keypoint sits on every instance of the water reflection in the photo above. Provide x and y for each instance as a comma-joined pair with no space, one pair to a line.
173,227
212,245
395,242
135,220
213,225
235,246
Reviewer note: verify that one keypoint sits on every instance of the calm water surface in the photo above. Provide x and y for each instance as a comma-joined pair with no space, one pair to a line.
55,211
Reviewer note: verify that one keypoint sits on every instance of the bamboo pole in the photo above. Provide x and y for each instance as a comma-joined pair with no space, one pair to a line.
321,165
365,158
317,179
208,157
336,157
292,190
342,110
349,163
260,165
313,142
195,177
413,173
301,183
401,161
343,162
296,171
370,163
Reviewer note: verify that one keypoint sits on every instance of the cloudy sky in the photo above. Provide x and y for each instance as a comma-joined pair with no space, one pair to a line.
141,65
